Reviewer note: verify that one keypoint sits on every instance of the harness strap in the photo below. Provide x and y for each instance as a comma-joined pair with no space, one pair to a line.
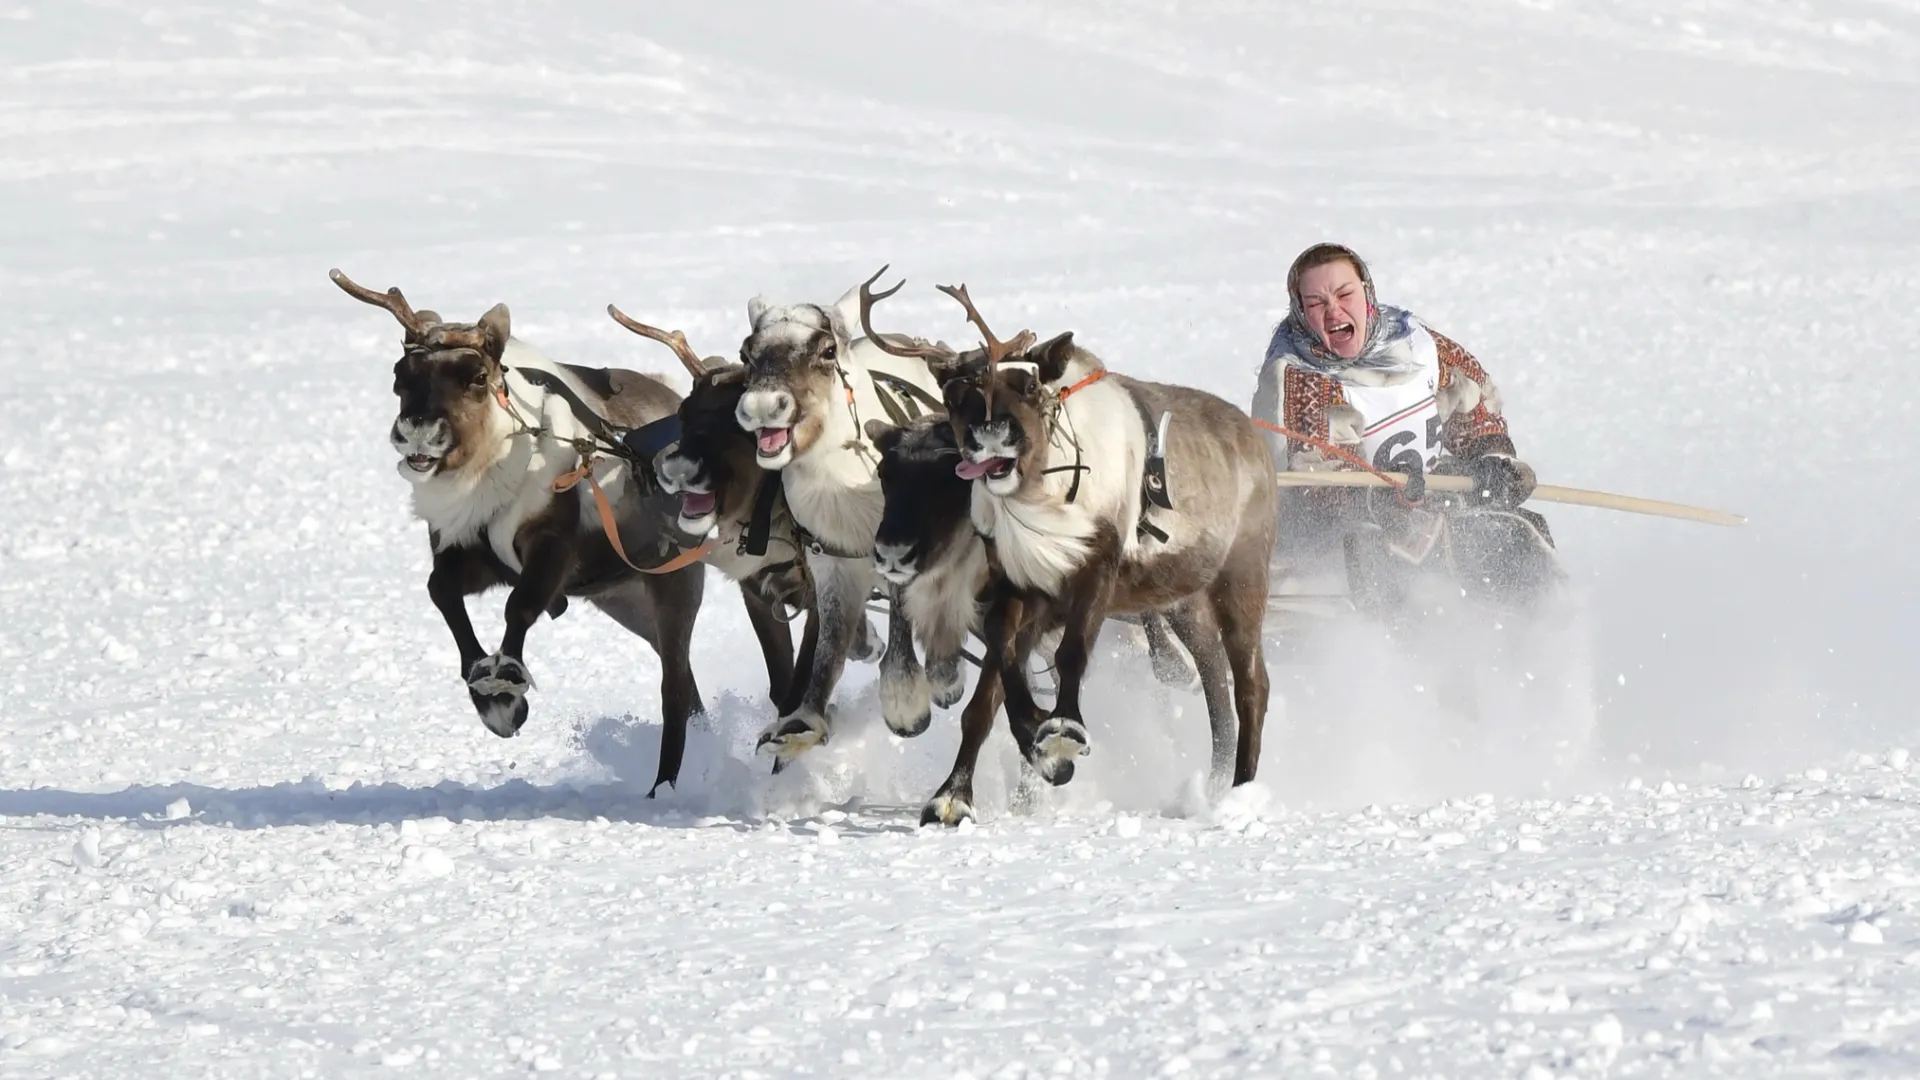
818,547
1153,473
760,524
912,391
567,481
587,418
1082,384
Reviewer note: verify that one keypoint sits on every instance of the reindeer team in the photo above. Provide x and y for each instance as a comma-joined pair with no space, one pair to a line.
1019,493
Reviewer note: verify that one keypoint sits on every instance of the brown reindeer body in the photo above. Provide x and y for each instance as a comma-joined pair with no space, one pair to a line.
1058,451
491,435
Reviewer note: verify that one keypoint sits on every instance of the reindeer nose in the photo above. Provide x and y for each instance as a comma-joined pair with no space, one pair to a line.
782,401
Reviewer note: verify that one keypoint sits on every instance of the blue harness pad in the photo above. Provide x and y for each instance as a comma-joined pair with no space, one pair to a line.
649,439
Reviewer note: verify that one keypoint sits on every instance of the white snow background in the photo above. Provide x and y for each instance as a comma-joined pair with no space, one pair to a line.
249,825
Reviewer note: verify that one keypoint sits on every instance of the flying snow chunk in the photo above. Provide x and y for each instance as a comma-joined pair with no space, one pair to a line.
426,860
178,809
86,850
1528,1001
1865,933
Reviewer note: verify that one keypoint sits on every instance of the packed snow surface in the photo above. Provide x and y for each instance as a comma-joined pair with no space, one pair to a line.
252,827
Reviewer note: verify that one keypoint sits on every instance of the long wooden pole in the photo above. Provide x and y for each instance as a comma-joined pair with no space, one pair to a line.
1552,493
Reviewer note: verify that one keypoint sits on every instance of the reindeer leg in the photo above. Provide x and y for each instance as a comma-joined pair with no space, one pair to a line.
802,665
868,645
498,684
457,574
840,595
776,643
1193,622
906,699
1063,735
1169,666
953,803
1239,603
661,611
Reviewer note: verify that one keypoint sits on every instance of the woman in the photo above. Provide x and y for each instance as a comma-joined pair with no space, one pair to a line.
1381,385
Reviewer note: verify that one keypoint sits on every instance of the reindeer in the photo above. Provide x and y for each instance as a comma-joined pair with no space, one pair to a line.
808,385
739,510
495,439
1065,480
928,548
1100,494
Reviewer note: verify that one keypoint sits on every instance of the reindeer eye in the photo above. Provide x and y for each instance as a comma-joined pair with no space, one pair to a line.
832,350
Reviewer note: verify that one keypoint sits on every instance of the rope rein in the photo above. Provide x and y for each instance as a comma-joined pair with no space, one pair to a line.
1346,455
589,449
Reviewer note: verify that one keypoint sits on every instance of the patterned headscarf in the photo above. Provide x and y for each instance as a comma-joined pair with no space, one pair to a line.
1387,350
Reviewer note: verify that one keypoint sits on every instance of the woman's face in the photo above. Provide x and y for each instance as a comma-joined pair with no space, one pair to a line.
1334,301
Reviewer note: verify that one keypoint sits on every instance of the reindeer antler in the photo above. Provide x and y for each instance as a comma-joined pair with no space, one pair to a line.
674,340
391,300
919,350
997,350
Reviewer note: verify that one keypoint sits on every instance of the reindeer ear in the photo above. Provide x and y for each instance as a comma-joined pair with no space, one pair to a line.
756,307
495,327
954,393
846,313
1051,356
880,434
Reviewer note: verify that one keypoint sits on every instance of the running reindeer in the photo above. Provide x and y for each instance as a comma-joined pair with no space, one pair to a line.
927,549
807,385
1090,507
738,512
495,439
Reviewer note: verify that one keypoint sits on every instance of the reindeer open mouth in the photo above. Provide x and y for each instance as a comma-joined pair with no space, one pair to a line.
993,468
422,463
696,511
772,441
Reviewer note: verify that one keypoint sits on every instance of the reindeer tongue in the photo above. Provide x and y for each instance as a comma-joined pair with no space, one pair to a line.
697,503
972,470
772,440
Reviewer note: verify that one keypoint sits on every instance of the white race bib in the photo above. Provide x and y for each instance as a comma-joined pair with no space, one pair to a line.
1402,421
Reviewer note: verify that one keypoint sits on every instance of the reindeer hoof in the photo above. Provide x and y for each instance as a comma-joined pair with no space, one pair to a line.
947,685
498,687
1057,742
868,645
947,808
906,704
792,736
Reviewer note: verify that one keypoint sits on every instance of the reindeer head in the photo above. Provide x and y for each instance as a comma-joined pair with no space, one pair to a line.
447,379
925,500
711,453
987,438
999,403
794,377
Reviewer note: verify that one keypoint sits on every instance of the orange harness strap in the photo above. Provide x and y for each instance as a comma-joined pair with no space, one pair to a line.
1082,384
566,482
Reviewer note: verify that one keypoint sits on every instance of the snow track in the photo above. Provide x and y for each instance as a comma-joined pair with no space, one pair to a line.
251,827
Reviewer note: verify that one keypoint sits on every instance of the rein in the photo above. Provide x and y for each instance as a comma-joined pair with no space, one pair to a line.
603,441
1341,452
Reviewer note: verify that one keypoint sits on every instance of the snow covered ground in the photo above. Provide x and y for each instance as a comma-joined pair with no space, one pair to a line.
251,827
